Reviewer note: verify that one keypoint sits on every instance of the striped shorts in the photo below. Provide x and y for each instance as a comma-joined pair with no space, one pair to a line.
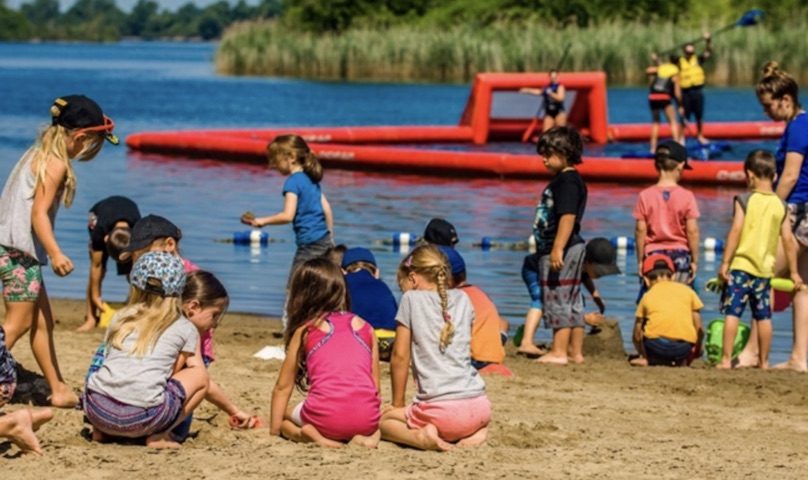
120,419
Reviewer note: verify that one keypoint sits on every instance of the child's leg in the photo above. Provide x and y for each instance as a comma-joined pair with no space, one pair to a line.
558,352
393,426
531,324
476,439
577,344
764,329
730,330
292,428
194,381
750,354
19,427
44,349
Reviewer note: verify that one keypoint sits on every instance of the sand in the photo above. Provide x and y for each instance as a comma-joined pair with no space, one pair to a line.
603,419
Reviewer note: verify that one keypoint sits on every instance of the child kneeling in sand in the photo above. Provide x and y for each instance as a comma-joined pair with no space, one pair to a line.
434,331
139,390
668,326
333,356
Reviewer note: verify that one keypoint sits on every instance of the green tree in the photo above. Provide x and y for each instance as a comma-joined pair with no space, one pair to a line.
13,25
41,12
142,16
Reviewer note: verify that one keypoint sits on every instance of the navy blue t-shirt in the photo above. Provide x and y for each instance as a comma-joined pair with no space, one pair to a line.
372,299
795,139
309,222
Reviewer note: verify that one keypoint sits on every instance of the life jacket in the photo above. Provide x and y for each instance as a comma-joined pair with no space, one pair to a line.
661,87
692,75
549,103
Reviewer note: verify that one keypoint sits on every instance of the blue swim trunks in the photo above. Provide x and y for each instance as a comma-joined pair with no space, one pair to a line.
530,275
746,288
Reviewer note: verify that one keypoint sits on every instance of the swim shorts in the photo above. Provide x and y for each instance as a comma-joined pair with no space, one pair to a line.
454,419
561,291
21,275
798,216
8,371
120,419
658,104
665,352
746,288
693,103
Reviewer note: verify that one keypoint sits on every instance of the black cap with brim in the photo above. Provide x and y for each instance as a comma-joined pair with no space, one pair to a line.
78,112
602,270
149,229
601,257
673,150
440,232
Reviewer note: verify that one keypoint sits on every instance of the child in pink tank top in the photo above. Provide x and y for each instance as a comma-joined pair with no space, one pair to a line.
332,355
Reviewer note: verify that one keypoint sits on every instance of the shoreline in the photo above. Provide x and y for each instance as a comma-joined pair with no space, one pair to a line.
602,419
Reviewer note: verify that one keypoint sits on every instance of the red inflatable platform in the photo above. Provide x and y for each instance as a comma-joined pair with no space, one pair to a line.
495,111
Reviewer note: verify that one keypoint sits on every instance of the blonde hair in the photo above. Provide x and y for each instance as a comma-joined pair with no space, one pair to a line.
294,147
52,144
146,313
778,83
429,262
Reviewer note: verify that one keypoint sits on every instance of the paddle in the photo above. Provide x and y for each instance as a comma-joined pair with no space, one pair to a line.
535,122
748,19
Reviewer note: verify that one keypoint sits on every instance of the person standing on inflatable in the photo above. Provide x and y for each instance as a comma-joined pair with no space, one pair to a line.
553,100
663,89
691,79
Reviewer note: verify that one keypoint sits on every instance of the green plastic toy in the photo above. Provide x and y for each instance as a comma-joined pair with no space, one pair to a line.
714,343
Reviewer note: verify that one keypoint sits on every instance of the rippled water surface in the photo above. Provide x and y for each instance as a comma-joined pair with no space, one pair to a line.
161,86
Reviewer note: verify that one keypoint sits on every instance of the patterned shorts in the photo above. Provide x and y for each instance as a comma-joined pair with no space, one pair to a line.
745,288
8,371
21,275
115,418
562,297
799,222
6,392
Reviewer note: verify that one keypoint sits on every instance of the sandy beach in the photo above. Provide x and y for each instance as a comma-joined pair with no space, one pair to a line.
603,419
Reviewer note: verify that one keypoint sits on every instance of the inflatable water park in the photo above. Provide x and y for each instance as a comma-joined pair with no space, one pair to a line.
496,114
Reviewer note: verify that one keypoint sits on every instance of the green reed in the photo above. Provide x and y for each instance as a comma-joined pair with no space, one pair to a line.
429,54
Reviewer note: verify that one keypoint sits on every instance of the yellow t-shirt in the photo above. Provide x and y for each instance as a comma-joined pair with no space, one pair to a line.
764,214
667,308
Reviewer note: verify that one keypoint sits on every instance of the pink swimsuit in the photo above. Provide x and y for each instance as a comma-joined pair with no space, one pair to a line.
342,400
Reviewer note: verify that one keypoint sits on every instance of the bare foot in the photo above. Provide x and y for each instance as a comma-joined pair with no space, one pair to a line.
764,366
367,442
62,396
21,432
312,434
428,439
478,438
578,359
553,359
638,362
746,361
724,365
161,441
99,436
88,326
792,365
530,350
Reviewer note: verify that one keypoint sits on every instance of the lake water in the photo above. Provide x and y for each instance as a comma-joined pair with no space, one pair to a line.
162,86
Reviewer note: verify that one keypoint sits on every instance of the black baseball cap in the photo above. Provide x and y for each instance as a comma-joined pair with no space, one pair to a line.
149,229
440,232
82,113
673,150
601,257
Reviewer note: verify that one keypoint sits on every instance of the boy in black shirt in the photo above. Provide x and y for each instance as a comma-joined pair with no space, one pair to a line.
559,245
110,228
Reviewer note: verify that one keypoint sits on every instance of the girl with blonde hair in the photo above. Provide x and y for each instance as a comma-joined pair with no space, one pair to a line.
434,333
43,178
153,376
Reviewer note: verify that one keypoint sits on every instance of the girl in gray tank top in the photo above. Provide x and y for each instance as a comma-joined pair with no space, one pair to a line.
42,179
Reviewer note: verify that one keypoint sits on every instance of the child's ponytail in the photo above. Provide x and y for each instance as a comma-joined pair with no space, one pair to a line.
448,330
312,167
295,148
778,83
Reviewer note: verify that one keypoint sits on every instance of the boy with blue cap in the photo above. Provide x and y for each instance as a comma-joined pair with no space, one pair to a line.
371,298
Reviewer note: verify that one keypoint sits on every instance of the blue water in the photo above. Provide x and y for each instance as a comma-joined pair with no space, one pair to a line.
162,86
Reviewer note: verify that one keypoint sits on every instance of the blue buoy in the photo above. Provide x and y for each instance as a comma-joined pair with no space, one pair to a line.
251,237
485,243
404,238
623,243
711,244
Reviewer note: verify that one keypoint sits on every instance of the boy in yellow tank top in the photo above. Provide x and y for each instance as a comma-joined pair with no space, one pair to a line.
748,264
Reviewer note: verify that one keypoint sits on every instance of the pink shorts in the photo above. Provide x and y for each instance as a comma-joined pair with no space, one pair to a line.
454,419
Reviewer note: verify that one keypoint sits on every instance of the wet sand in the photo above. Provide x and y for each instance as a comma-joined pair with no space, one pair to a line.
603,419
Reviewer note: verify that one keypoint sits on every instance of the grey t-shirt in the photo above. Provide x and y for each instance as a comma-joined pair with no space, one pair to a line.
440,376
141,381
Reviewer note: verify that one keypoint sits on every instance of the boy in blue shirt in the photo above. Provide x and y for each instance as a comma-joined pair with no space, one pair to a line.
370,297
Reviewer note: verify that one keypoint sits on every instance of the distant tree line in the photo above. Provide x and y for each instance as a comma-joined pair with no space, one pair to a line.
103,21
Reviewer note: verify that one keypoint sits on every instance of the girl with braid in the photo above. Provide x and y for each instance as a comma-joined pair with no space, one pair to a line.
434,332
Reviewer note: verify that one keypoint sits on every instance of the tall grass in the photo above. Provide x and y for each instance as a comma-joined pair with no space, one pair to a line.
455,55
